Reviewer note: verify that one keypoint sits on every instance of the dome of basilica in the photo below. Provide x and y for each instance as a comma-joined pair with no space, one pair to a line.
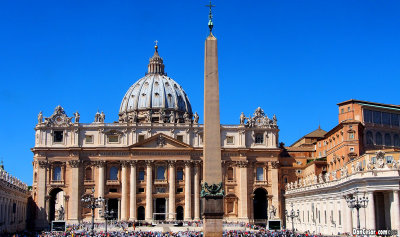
155,97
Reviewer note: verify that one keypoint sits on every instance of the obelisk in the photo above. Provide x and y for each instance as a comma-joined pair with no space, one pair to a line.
212,191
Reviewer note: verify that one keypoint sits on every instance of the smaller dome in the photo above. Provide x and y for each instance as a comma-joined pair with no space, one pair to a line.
155,97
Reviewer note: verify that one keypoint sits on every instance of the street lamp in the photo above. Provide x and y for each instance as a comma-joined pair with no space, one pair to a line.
357,203
89,201
107,215
292,215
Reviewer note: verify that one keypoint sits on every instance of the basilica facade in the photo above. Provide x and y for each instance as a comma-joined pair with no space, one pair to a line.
148,164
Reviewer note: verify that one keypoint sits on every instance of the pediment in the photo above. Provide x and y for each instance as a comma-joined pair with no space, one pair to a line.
161,140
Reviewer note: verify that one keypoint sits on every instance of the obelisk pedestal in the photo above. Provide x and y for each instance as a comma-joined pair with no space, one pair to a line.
212,192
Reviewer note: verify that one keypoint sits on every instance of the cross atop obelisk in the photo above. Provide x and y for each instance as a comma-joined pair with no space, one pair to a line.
212,189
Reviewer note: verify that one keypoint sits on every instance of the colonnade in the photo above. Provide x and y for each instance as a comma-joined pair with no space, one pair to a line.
330,214
129,194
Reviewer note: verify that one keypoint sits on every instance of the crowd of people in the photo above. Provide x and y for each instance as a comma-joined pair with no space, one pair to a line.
129,229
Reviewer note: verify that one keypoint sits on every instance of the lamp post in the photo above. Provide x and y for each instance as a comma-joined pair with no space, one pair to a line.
107,215
292,215
357,203
89,201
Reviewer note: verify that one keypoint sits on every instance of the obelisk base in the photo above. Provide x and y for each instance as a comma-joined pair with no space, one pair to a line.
213,214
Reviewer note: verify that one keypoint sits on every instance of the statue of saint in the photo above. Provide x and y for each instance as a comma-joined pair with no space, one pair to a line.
242,118
61,213
102,117
274,119
40,117
196,118
161,116
172,117
97,117
186,117
77,117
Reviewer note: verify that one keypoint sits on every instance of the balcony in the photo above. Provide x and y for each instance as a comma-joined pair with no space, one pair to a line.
88,182
262,182
57,182
113,182
160,181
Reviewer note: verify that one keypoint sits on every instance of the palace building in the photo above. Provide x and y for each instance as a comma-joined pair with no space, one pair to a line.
148,165
358,158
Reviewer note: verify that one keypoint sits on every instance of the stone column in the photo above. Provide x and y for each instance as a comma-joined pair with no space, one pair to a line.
275,186
370,212
124,191
197,191
346,217
188,191
149,191
243,189
171,191
101,181
119,209
132,189
75,196
41,221
395,210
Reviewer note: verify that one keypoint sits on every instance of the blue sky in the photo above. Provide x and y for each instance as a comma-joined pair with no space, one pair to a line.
295,59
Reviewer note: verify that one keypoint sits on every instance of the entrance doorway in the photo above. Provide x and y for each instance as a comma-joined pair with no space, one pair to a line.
57,207
113,206
179,213
141,214
160,209
260,204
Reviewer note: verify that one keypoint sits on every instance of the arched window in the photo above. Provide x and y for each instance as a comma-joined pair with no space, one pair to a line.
57,173
161,173
285,180
396,140
370,138
230,173
179,174
35,177
388,140
141,174
259,173
378,139
88,173
114,173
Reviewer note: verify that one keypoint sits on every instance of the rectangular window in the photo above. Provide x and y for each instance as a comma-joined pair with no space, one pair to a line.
141,175
201,138
351,149
351,136
385,118
259,173
367,116
395,120
342,111
229,140
140,190
89,139
113,190
179,138
179,175
179,190
113,138
373,160
389,159
140,138
58,136
259,138
348,109
377,117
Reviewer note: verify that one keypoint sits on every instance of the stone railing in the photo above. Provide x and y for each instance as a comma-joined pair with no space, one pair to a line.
12,181
351,169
